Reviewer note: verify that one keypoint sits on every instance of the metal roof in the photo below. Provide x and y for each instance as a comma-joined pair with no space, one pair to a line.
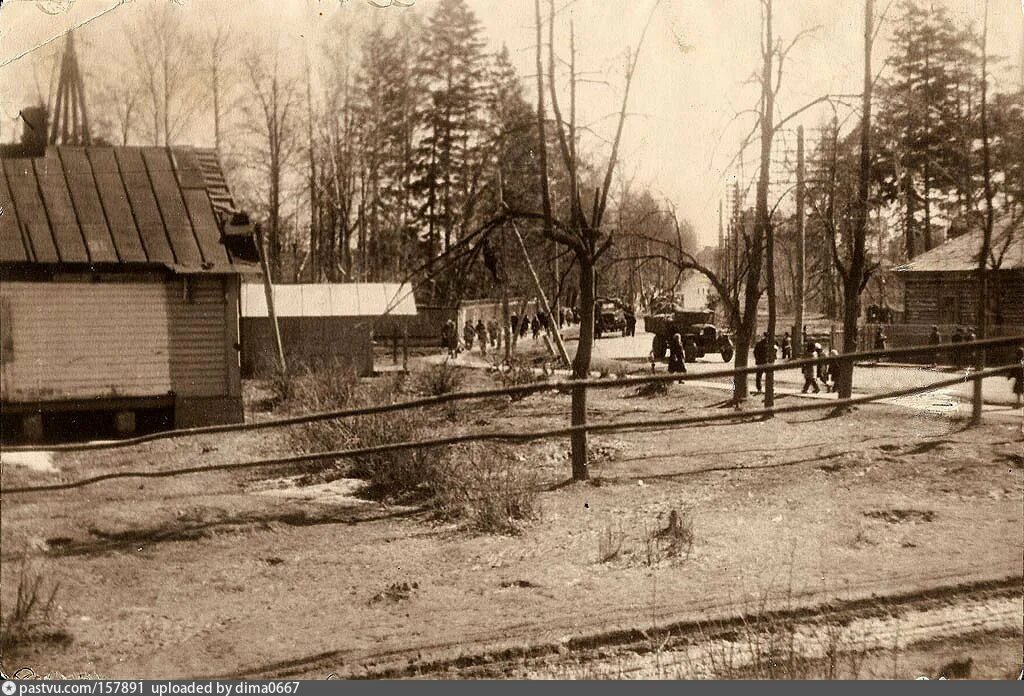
330,300
100,205
961,253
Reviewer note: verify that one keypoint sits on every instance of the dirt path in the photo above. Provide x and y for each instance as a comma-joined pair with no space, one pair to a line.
798,642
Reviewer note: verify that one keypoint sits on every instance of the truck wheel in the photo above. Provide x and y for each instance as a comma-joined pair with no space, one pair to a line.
726,354
658,348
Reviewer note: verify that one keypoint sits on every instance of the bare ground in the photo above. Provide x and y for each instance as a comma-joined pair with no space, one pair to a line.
246,574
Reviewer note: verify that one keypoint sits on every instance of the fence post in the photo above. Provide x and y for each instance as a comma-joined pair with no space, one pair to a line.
977,401
394,349
405,348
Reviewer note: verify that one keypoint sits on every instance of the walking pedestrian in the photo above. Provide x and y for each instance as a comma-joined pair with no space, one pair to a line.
935,339
450,338
880,339
468,334
813,350
630,321
972,353
787,348
1017,375
513,325
524,326
535,326
956,353
760,358
481,336
493,333
676,355
831,370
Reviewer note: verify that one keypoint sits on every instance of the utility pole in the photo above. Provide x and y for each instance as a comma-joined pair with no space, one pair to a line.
801,246
268,291
552,325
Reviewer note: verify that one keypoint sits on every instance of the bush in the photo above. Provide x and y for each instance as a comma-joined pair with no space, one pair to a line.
31,619
515,373
440,379
486,486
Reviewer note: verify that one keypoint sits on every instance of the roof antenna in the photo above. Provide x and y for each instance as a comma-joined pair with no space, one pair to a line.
70,125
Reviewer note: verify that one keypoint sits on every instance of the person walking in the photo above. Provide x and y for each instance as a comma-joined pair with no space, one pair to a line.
880,340
760,358
812,351
494,334
468,334
957,355
630,321
787,348
524,326
1017,375
535,326
972,352
481,336
935,339
676,355
450,338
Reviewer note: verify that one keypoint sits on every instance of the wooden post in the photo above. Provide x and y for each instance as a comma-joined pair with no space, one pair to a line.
268,291
543,299
801,247
405,348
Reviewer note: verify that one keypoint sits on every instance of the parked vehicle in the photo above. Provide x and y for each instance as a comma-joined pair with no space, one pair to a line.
695,326
609,315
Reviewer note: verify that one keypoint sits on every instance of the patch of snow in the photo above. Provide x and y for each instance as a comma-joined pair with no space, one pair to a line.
343,491
39,460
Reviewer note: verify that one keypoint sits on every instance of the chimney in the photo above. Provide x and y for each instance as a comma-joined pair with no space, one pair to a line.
34,132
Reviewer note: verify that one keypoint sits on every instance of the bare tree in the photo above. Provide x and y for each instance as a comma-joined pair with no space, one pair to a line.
163,60
270,115
582,233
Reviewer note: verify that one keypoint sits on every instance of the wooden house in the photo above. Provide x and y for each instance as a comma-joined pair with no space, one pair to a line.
941,286
120,272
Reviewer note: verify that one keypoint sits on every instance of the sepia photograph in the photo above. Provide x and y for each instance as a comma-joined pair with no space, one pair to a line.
511,340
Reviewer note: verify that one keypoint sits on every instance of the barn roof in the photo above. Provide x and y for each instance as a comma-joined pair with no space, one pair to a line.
330,300
101,205
961,253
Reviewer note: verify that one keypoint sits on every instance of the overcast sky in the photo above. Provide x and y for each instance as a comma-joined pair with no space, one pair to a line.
691,81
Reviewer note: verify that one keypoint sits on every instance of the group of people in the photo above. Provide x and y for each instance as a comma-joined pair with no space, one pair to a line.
961,357
824,372
489,334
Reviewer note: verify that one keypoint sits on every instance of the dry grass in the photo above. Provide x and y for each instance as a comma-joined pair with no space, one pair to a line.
32,618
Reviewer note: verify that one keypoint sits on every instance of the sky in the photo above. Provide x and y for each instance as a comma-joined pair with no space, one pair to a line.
690,91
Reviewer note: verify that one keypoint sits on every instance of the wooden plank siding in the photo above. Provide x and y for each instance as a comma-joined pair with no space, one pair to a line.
198,356
952,298
88,340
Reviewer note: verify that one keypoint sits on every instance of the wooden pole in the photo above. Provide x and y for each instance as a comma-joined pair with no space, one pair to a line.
801,246
552,327
268,291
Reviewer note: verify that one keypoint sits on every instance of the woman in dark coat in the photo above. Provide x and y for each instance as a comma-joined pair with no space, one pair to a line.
676,355
1017,375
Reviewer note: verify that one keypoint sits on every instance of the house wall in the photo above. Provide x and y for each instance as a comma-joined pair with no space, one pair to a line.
89,339
309,342
952,298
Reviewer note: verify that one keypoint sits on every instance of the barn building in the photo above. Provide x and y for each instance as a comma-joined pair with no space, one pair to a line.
322,325
120,275
941,286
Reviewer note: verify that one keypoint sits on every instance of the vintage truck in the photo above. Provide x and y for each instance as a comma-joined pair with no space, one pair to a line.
695,326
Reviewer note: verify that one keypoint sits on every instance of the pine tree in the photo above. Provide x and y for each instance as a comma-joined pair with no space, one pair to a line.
925,123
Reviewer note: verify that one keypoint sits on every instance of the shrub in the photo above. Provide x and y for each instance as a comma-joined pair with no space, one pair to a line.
487,487
439,379
516,372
